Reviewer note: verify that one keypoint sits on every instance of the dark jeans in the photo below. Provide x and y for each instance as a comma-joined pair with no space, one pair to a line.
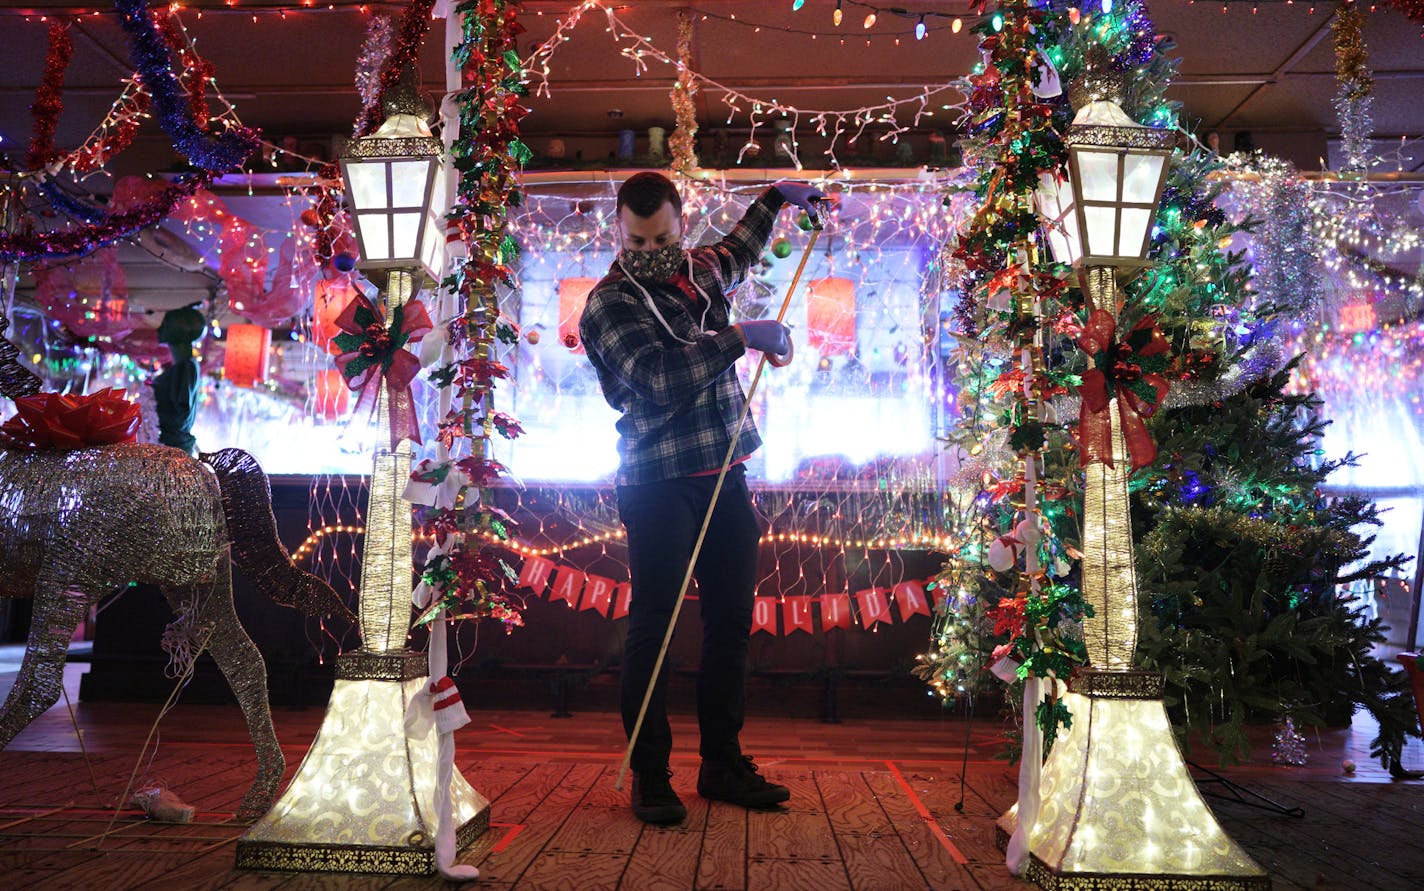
663,520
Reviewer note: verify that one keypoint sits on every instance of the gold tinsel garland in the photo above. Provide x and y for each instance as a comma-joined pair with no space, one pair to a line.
1356,87
684,94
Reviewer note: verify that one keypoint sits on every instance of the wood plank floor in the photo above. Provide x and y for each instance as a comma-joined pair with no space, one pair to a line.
876,806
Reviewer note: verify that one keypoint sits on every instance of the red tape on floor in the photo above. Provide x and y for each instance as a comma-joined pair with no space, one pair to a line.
514,829
925,815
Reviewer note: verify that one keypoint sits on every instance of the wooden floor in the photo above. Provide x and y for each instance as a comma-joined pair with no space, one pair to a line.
873,808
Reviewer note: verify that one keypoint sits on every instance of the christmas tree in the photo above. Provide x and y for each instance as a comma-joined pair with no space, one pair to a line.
1238,553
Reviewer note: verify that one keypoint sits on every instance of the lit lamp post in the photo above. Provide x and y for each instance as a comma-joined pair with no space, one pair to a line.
1116,806
364,798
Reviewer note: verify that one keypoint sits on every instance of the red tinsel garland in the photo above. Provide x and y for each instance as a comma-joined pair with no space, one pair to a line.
405,52
1412,9
49,101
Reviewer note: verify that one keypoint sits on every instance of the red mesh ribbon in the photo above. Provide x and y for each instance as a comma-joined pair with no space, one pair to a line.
54,421
374,355
1129,370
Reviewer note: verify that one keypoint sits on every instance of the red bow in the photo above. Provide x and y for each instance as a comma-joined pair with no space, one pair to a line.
1132,366
55,421
374,355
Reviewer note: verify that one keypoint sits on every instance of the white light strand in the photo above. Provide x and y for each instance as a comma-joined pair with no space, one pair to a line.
833,124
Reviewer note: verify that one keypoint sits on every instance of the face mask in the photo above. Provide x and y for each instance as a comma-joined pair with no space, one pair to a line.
656,267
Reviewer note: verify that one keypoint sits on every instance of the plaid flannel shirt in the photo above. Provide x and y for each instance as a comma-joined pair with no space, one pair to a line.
680,401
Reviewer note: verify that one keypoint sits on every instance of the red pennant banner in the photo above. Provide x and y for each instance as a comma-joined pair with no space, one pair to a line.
621,595
535,573
568,583
874,604
835,611
598,594
764,615
610,598
796,614
910,598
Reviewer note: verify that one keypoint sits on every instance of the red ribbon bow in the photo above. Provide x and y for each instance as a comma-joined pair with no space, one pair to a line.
1128,371
56,421
374,355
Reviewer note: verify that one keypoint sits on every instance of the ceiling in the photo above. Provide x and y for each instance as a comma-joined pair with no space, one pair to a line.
1262,74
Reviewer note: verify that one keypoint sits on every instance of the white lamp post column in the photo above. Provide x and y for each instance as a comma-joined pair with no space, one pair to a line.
1118,807
364,798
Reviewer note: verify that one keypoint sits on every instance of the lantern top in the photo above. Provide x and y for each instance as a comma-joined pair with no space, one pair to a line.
404,133
1103,123
403,98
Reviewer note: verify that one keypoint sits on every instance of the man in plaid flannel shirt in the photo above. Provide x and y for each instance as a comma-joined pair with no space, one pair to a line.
658,331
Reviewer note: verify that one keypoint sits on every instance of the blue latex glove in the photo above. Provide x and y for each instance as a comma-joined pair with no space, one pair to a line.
767,335
803,195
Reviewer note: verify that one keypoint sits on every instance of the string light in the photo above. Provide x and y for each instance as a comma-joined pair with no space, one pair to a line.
869,20
797,4
833,124
920,29
920,541
837,15
282,10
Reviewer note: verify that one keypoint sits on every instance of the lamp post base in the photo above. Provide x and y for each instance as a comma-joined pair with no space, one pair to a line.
1118,808
363,799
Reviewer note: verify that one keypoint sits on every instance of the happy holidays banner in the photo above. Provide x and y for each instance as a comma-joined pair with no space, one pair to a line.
866,608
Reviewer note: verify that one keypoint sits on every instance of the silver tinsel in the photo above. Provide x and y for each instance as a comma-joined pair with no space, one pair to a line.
1285,248
1262,358
1289,745
374,50
1355,93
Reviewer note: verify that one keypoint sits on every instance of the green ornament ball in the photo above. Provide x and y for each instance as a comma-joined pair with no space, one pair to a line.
781,249
803,222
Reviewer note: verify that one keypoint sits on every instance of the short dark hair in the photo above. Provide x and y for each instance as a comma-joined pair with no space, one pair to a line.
181,326
643,193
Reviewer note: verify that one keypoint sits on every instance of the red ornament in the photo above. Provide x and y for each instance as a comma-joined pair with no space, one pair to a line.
573,294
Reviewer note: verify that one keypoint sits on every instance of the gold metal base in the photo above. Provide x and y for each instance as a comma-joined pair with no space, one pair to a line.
1048,880
1119,809
363,799
277,857
1096,683
402,665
